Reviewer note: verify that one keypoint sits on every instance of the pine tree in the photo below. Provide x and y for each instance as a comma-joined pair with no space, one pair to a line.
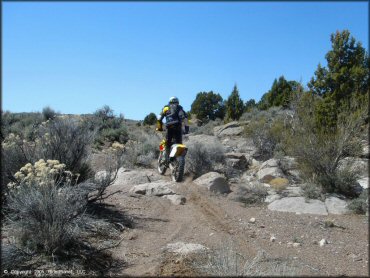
234,105
208,106
345,78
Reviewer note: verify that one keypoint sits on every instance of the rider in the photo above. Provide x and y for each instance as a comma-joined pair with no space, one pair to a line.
175,115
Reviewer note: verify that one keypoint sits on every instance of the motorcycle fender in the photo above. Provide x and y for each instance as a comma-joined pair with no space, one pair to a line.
177,150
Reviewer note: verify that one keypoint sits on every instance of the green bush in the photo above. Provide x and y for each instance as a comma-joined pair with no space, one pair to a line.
360,205
319,151
22,124
204,157
48,113
150,119
253,193
267,130
115,135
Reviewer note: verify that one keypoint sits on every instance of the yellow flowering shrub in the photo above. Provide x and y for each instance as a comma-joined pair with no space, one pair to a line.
42,172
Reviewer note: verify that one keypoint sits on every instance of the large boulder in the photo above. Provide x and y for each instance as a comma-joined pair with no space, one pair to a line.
298,205
214,182
335,205
239,144
364,182
237,161
128,178
269,168
289,166
230,129
154,189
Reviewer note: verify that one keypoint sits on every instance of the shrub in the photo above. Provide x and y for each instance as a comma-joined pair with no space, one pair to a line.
150,119
44,212
203,158
142,148
68,141
46,216
360,205
320,152
48,113
252,193
115,135
267,130
311,191
22,124
226,261
207,129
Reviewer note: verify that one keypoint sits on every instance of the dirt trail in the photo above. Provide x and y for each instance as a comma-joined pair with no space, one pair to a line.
214,221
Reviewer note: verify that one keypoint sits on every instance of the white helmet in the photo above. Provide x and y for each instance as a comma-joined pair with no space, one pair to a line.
174,100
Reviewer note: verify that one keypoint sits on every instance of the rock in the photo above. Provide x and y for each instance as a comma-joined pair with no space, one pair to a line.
252,220
154,189
185,248
364,182
293,191
270,163
269,167
365,149
101,175
237,160
214,182
128,178
202,138
279,182
176,199
288,163
271,198
335,205
296,244
272,238
230,129
323,242
358,165
298,205
241,145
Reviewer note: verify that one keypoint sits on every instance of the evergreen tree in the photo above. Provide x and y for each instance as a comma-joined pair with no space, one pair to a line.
280,94
150,119
249,105
234,105
208,106
344,80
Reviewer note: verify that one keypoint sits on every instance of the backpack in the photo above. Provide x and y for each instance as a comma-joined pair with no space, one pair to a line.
172,115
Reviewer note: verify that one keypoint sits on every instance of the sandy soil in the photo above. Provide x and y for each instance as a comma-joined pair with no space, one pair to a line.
216,221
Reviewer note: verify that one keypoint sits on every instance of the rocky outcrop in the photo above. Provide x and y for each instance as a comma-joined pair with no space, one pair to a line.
269,170
230,129
237,161
335,205
128,178
154,189
299,205
239,144
214,182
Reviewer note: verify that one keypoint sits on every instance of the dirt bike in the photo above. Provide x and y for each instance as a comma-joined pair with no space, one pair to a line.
176,160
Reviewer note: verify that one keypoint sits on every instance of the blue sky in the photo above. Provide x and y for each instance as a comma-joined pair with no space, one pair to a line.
77,57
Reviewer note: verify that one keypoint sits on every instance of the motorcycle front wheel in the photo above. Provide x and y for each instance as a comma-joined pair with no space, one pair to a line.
178,169
161,166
